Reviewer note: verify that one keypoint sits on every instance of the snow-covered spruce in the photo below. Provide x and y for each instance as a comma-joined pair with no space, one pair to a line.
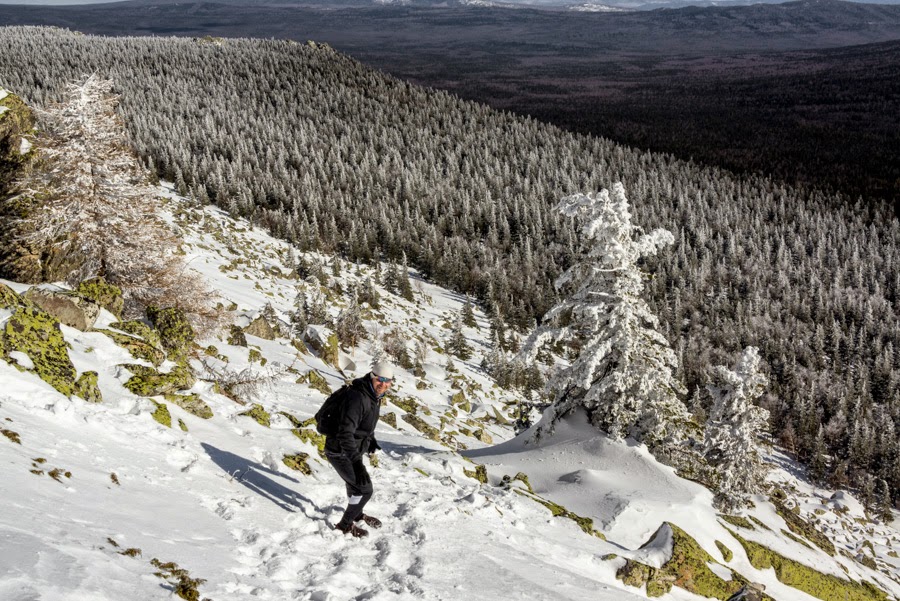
731,441
624,372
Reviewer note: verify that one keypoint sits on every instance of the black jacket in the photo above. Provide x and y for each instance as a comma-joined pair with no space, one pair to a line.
359,416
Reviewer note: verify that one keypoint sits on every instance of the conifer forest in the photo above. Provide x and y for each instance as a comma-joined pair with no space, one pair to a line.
332,155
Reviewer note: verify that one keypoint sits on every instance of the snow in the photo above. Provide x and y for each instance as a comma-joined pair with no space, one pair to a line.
219,502
22,359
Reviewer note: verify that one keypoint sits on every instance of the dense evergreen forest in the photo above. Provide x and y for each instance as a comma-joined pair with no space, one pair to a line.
333,155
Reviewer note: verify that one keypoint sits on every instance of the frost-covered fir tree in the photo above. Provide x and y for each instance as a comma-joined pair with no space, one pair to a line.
624,373
731,443
457,344
94,211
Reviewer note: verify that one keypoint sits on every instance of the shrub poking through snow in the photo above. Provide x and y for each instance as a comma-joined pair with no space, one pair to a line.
184,586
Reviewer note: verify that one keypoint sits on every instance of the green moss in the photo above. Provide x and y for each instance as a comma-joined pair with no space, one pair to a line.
759,523
139,328
586,524
259,414
312,437
479,473
799,526
182,425
410,405
255,356
796,539
298,461
295,421
482,435
419,424
12,436
9,298
86,387
520,477
737,520
175,331
459,399
725,551
37,334
146,381
390,419
236,336
687,568
139,349
162,414
317,382
192,403
103,293
792,573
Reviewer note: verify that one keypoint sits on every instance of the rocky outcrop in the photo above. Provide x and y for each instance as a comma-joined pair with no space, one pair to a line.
37,334
261,328
103,293
67,307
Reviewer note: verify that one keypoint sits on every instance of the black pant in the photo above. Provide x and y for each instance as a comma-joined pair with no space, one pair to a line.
359,491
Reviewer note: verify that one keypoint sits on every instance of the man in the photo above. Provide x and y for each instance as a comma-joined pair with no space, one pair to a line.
355,437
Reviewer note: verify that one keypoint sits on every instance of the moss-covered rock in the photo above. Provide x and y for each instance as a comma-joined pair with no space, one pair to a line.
298,461
687,568
86,387
236,336
737,520
161,414
8,297
727,555
139,349
103,293
479,473
482,435
318,382
419,424
139,328
146,381
800,576
459,400
325,344
520,477
182,425
67,307
801,527
390,419
192,403
259,414
37,334
261,328
175,331
312,437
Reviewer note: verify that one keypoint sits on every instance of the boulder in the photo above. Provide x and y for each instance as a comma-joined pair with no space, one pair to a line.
146,381
192,403
261,328
86,387
175,331
69,308
324,342
37,334
103,293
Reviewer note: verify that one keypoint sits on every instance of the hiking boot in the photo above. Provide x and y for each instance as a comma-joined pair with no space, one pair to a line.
353,530
369,520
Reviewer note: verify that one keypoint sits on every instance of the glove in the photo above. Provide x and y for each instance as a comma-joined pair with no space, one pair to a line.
373,446
360,473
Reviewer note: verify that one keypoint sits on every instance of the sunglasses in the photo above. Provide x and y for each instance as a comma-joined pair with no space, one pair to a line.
384,380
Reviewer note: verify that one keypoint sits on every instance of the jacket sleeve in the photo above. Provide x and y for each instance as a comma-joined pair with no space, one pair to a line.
346,435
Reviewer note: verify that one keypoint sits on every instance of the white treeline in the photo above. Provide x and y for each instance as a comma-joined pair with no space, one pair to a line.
623,374
731,442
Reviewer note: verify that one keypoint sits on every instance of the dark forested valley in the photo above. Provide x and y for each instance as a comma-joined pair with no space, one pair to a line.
331,154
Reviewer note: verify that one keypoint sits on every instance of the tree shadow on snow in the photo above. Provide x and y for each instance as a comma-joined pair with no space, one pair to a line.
252,475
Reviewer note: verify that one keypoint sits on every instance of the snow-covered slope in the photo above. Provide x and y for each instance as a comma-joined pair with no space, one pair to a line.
99,498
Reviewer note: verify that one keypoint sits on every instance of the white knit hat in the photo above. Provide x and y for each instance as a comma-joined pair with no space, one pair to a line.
383,369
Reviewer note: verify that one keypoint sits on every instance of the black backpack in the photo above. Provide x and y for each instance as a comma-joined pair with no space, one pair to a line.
328,418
